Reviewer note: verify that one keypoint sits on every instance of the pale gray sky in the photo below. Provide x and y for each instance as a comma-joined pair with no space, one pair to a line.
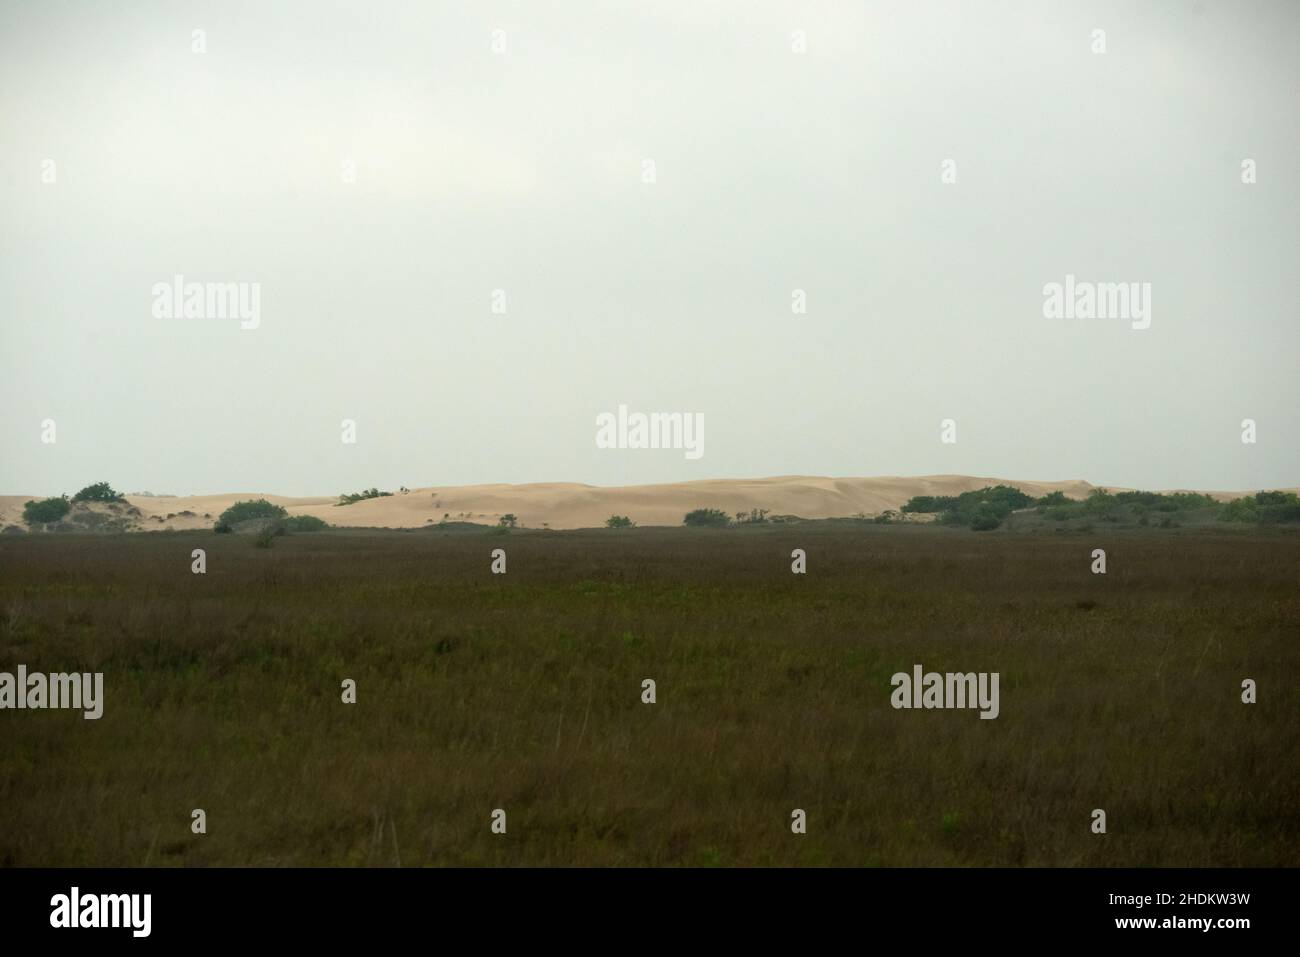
522,171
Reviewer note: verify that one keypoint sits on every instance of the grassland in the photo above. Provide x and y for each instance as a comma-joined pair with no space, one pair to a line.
523,692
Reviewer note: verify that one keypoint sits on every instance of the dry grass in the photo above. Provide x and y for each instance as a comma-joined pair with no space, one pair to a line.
523,692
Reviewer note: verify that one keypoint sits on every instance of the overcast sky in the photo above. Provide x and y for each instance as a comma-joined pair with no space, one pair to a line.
523,169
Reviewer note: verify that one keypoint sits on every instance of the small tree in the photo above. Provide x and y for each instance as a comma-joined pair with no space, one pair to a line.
707,518
48,510
619,521
929,504
508,520
305,523
351,497
985,518
267,536
1275,498
1099,500
99,492
245,511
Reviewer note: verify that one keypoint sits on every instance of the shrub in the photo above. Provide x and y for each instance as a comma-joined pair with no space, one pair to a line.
246,511
989,504
1288,512
99,492
1149,499
1274,498
930,503
1063,513
707,517
1137,506
304,523
1186,500
267,536
1239,510
1099,500
348,499
222,528
619,521
508,520
1001,496
47,510
1263,507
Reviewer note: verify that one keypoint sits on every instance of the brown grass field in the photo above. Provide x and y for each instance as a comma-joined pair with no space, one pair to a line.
523,692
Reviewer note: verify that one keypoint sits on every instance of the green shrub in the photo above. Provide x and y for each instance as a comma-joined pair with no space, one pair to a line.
1063,513
1275,498
1286,511
1181,501
267,536
1162,502
619,521
348,499
222,528
930,503
246,511
47,510
1148,499
1099,500
99,492
1001,496
707,518
1239,510
989,504
305,523
1263,507
509,520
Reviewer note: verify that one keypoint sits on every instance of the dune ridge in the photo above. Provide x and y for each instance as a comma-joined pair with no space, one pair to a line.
566,505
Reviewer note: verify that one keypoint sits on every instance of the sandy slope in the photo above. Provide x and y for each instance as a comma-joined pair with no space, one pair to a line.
570,505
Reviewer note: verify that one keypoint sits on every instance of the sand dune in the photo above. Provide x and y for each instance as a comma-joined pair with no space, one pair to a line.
563,505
